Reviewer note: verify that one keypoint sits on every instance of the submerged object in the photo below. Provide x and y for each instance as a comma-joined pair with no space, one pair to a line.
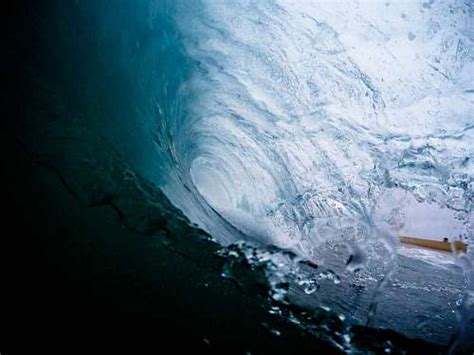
444,245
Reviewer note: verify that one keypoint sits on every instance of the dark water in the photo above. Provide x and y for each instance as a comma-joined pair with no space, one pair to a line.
420,298
110,103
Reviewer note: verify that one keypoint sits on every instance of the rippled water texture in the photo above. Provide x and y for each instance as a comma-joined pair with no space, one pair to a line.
327,129
249,165
303,116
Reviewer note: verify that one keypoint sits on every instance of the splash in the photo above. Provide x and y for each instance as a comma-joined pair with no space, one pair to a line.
320,129
299,123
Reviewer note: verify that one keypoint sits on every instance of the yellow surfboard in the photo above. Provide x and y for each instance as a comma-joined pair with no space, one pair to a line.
444,245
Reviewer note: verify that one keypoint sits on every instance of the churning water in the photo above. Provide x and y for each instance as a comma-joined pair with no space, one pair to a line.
326,129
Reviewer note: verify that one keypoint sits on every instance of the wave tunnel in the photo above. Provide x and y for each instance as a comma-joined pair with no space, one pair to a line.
235,176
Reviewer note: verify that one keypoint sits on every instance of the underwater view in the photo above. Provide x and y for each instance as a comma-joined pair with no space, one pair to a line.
242,176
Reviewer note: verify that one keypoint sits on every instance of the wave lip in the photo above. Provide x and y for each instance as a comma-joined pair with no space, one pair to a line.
301,122
318,129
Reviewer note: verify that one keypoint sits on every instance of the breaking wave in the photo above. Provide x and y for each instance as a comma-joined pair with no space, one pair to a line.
288,123
321,129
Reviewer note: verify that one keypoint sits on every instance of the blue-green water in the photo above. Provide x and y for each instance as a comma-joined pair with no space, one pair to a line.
292,126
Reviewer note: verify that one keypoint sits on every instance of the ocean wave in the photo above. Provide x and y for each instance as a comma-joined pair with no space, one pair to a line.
290,118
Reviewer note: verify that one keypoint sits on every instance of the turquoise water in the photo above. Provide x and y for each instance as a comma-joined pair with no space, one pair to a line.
306,129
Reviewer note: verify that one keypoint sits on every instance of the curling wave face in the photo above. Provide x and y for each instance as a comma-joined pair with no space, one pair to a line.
296,121
313,126
317,127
